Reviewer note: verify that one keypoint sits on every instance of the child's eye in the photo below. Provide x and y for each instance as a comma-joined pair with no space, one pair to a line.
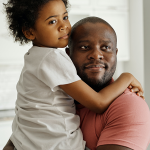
52,22
66,18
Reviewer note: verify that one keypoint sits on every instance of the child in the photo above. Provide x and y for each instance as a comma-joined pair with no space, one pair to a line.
45,115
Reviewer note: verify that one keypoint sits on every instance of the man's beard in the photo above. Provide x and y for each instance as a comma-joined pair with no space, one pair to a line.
99,84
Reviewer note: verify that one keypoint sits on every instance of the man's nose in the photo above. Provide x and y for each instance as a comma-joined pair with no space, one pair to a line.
96,53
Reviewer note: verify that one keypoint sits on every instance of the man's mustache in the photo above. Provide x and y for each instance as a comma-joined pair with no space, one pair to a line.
95,62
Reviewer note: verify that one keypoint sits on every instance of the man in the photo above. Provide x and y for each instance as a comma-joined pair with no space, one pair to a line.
125,125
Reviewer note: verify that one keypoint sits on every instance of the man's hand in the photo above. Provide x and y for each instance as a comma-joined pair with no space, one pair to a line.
112,147
9,146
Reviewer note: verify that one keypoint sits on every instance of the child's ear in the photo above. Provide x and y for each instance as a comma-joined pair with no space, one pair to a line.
29,34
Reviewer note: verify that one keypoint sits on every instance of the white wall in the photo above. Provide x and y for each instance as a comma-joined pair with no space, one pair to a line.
136,63
146,16
146,10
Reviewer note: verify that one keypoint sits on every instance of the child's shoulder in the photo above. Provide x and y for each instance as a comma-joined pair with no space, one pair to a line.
49,55
45,53
36,49
46,50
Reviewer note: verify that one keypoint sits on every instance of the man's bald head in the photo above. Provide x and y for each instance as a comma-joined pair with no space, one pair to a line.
93,20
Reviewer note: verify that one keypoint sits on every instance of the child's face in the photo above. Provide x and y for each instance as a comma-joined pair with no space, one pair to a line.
52,28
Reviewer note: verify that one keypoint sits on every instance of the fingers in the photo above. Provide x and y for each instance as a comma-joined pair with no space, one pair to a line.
136,88
137,91
142,97
136,83
130,86
140,94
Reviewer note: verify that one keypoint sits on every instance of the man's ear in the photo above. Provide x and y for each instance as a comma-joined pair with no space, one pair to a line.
67,51
29,34
116,51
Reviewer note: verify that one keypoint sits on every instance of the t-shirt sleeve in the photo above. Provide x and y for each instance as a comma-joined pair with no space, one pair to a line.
127,123
56,68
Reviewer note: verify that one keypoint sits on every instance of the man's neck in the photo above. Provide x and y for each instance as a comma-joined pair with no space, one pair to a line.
97,89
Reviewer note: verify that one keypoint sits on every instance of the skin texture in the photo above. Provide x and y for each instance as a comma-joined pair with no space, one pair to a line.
52,28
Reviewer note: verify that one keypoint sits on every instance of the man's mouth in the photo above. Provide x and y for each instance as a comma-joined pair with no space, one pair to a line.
66,36
95,67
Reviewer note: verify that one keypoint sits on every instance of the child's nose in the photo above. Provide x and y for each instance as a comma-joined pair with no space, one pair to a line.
63,26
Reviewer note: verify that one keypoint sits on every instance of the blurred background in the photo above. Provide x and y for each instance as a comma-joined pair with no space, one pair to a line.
129,18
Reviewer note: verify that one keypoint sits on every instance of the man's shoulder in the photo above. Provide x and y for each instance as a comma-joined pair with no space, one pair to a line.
129,105
130,99
127,119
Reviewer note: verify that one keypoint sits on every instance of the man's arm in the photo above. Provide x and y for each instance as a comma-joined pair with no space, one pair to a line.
9,146
112,147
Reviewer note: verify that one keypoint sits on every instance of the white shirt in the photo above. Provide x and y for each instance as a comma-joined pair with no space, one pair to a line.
45,115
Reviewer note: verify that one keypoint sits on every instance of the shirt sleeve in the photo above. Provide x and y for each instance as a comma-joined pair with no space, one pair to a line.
127,123
57,69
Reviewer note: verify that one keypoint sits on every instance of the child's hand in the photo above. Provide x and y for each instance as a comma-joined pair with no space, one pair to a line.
137,91
134,84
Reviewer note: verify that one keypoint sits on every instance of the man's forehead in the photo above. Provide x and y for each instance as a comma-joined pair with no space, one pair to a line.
87,31
88,28
90,25
86,40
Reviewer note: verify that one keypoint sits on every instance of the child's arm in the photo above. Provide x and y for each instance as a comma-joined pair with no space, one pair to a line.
99,102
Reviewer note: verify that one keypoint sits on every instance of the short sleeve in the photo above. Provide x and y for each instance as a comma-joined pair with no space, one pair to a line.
56,69
127,123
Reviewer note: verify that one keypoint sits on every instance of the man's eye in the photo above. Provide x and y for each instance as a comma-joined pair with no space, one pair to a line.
66,18
84,47
105,48
52,22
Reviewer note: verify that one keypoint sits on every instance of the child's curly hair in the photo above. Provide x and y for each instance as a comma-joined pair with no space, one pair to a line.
22,14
